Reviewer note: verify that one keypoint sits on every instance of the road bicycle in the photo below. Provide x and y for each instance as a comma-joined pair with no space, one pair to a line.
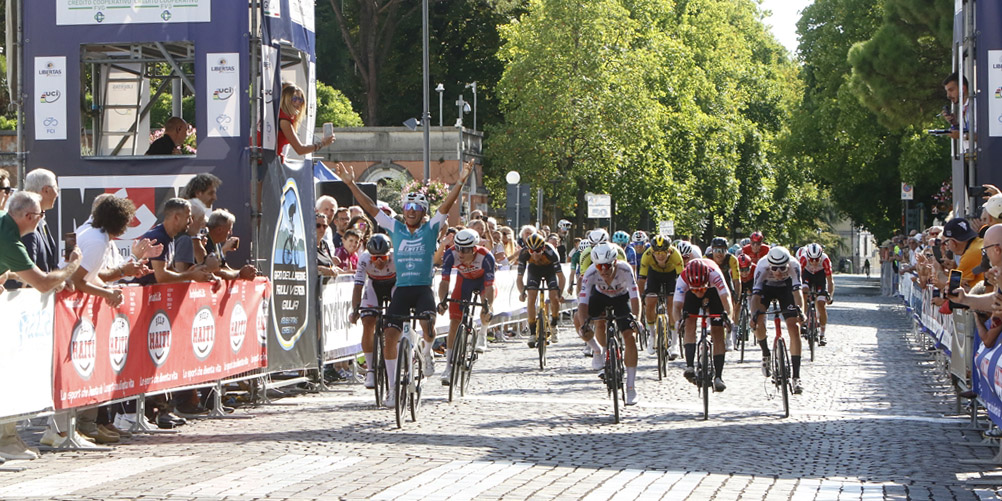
409,376
615,366
464,353
662,336
704,354
378,362
543,328
744,326
812,327
779,364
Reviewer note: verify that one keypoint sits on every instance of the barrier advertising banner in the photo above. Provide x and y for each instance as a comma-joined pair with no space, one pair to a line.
25,352
161,337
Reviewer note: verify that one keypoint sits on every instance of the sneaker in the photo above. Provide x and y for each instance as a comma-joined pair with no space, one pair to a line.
797,387
718,384
631,396
125,421
83,442
597,361
390,400
447,375
690,374
13,449
650,343
587,351
344,374
480,345
532,340
51,438
370,379
429,365
553,337
821,340
766,365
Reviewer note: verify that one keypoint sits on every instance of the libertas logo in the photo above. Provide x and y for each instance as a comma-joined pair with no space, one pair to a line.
50,70
223,66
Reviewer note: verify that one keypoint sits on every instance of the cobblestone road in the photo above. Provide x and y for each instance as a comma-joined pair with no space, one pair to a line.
875,422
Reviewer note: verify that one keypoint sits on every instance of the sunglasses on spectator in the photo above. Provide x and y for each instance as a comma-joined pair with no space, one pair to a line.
604,266
413,206
322,225
381,257
778,268
298,99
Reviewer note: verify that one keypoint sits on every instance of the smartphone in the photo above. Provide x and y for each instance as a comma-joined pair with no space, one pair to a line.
328,130
937,250
976,191
935,293
70,241
955,276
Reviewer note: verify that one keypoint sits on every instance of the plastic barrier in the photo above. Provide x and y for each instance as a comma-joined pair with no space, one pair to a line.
26,353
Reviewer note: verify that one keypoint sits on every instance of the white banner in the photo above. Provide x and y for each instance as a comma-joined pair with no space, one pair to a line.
273,8
70,12
995,98
50,98
222,85
26,352
269,63
301,13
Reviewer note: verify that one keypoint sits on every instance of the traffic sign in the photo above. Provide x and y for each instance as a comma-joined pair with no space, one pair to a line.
907,192
666,228
599,206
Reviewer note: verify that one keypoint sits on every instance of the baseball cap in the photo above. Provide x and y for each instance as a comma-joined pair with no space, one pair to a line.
959,229
994,206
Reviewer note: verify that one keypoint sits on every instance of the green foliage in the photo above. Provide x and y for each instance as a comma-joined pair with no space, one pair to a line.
391,191
334,107
160,112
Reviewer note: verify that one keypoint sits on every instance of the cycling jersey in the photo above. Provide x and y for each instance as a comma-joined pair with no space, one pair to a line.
586,258
547,259
762,251
482,265
366,268
623,282
380,284
823,264
764,276
729,270
648,263
631,256
413,251
747,278
716,281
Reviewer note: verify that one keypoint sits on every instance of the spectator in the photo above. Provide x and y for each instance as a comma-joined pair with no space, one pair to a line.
189,247
981,298
327,205
220,241
23,216
326,262
348,253
175,133
475,215
363,226
355,211
41,244
5,188
962,239
177,215
201,190
953,93
292,111
991,213
341,220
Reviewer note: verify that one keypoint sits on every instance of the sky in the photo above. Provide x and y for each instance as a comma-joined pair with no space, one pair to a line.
785,14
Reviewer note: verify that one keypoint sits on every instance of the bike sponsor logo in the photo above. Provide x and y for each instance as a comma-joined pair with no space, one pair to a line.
158,338
203,333
238,327
118,343
223,66
83,348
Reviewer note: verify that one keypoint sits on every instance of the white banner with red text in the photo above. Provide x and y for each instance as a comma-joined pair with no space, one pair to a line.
25,352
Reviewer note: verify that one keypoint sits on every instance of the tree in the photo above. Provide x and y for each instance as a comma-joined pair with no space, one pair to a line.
334,107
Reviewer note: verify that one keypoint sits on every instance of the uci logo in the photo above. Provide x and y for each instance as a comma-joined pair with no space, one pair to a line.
49,97
83,348
222,94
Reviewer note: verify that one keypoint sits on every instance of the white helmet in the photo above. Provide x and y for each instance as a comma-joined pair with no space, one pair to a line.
684,248
466,238
778,256
639,236
564,224
416,198
604,253
598,236
813,251
584,244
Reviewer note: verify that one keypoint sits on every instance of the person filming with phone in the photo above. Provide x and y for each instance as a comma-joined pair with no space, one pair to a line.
961,239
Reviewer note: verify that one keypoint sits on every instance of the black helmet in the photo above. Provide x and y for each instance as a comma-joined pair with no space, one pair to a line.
719,242
379,244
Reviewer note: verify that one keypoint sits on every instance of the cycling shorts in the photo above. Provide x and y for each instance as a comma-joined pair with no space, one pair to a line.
537,275
816,281
375,292
660,283
464,290
713,305
783,294
620,307
419,297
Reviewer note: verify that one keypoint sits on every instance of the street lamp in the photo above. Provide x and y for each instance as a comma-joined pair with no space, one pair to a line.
464,107
513,177
425,76
474,87
440,89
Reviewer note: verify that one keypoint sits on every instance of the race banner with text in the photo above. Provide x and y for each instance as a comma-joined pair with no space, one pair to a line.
160,337
25,352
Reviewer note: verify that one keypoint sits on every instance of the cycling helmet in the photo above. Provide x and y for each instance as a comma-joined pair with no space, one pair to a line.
604,253
756,237
745,241
696,274
734,249
564,224
639,237
535,241
378,245
744,261
416,198
621,238
583,245
778,256
719,243
814,251
466,238
660,243
598,236
684,248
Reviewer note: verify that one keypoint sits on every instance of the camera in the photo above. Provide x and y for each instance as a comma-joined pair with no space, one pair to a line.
976,191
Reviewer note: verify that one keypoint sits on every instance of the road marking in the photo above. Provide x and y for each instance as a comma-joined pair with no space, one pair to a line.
265,478
455,480
86,477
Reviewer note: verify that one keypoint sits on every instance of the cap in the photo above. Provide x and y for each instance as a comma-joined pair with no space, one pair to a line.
959,229
993,206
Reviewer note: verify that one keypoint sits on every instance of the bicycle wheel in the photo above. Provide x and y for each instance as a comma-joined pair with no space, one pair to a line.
704,374
401,377
812,329
661,346
418,376
288,251
743,328
467,362
783,373
456,362
378,365
542,334
612,377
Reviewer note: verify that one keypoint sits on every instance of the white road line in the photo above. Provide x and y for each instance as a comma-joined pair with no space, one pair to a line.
806,489
493,479
612,485
455,480
265,478
86,477
684,487
662,484
829,490
636,487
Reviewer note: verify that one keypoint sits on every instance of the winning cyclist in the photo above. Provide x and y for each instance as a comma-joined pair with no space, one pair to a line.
728,265
702,280
475,269
610,282
414,246
375,279
817,268
543,263
778,277
660,267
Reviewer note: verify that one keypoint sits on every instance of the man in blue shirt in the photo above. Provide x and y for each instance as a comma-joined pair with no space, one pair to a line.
177,215
414,244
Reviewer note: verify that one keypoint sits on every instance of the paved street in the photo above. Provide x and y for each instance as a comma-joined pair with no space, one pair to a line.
875,422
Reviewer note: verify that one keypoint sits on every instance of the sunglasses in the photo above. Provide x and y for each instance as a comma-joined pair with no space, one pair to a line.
719,251
698,290
298,99
814,259
413,206
321,225
604,266
744,270
536,251
466,250
778,268
381,257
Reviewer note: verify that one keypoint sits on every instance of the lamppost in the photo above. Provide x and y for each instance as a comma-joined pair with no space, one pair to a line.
474,87
513,177
464,107
425,72
440,89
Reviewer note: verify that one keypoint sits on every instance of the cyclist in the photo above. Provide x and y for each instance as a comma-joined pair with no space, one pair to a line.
543,263
610,282
817,268
414,246
687,251
728,265
746,268
375,279
778,277
475,269
702,280
755,249
563,227
596,237
660,267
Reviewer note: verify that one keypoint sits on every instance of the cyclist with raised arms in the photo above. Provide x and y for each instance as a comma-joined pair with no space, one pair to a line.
777,276
817,268
475,271
543,263
728,265
414,248
610,282
660,267
375,279
702,280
